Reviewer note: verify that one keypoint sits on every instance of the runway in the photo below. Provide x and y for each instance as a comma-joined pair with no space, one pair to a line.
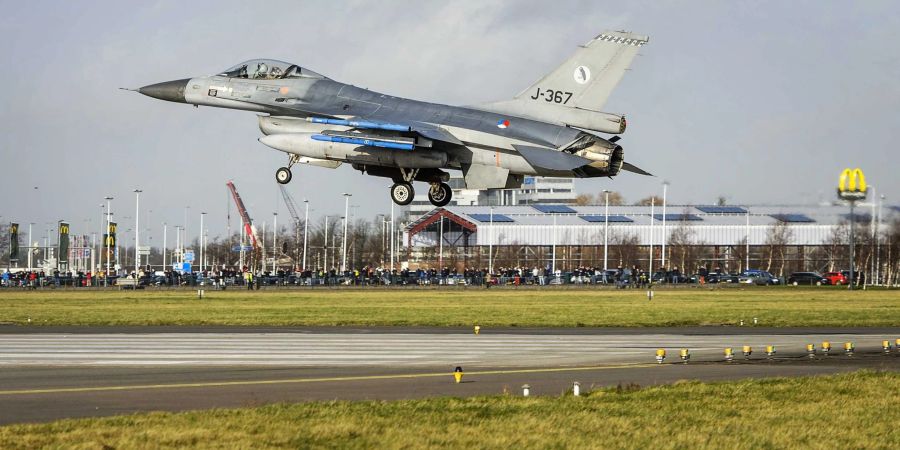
47,374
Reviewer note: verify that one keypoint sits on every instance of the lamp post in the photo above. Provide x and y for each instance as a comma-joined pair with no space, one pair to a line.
606,235
274,240
108,212
392,237
30,243
491,245
662,263
100,245
202,242
650,264
878,242
137,232
344,243
747,249
305,231
165,245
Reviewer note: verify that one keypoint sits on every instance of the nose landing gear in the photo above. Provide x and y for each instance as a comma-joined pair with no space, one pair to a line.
402,193
283,175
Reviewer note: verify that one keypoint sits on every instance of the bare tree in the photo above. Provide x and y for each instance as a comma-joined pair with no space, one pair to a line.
646,201
777,238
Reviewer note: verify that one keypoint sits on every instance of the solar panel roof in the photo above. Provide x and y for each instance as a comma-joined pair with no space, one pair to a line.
859,217
554,209
722,209
487,218
792,218
612,219
678,217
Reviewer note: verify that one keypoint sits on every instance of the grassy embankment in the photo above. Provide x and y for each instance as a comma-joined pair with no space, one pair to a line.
842,411
541,308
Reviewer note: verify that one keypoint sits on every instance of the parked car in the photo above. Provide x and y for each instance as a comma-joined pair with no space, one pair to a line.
810,278
758,277
716,277
858,277
836,278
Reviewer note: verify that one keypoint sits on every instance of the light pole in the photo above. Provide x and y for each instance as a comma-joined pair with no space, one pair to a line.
100,244
30,243
650,264
392,237
165,245
747,249
662,263
606,235
344,243
137,231
108,238
274,240
878,242
325,264
491,246
202,242
305,231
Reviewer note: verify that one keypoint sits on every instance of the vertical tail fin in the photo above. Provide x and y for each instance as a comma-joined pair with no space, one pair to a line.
582,82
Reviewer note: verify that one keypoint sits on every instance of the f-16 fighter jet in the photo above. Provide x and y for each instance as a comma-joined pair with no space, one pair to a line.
552,128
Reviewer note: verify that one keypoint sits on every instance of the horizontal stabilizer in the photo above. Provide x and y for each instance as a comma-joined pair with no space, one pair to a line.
635,169
549,159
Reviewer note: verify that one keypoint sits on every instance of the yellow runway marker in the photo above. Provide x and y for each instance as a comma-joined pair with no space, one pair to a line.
308,380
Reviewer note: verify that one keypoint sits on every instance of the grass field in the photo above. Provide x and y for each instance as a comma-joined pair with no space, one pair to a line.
857,410
527,307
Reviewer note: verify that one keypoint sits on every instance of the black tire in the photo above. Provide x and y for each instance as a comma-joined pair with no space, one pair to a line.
442,197
283,175
402,193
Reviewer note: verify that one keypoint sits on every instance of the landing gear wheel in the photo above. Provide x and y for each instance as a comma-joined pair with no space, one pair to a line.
402,193
283,175
440,194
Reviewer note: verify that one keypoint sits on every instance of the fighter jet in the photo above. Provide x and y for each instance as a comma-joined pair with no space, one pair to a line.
552,128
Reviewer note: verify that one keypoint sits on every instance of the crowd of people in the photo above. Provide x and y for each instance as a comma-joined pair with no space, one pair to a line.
366,276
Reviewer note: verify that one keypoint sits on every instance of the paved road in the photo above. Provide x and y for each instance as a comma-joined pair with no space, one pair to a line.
87,372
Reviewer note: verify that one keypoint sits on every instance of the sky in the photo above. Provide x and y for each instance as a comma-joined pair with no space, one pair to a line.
757,102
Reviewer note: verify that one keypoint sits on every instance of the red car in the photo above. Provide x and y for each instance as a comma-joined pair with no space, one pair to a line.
836,278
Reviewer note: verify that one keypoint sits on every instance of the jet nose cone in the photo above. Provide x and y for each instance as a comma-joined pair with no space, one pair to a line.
172,91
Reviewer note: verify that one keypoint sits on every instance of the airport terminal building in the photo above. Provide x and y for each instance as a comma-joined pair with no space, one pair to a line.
780,239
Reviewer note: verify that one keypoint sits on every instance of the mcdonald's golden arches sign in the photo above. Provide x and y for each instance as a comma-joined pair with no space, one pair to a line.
852,184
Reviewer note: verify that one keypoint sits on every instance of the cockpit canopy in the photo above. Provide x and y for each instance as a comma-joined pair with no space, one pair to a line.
268,69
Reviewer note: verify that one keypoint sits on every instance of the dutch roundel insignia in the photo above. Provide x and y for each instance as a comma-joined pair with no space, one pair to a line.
502,123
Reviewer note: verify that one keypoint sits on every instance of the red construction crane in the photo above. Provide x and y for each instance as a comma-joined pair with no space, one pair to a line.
249,229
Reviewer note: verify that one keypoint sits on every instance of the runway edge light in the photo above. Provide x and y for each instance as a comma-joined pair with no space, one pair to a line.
458,374
660,355
811,350
770,351
477,329
729,354
826,347
685,355
526,390
886,346
848,348
748,350
576,389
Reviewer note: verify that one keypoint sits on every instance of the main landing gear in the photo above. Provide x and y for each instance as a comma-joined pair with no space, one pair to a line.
439,194
402,192
283,174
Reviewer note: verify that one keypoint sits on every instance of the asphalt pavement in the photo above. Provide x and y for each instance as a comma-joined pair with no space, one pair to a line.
52,373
